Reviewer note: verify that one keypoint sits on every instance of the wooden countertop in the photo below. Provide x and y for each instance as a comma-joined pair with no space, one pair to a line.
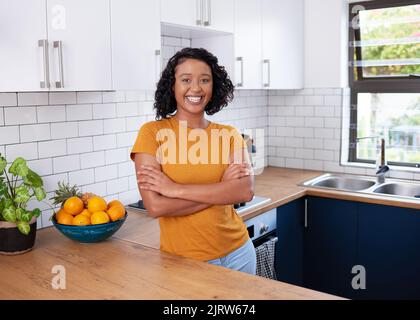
117,269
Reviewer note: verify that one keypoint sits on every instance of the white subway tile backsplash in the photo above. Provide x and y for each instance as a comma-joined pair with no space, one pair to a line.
104,111
113,96
51,114
294,163
79,145
28,151
8,99
324,155
79,112
114,125
276,162
314,100
135,96
127,109
64,130
32,98
106,173
304,153
89,97
51,182
324,133
105,142
126,169
1,116
313,143
135,123
92,159
145,108
314,122
42,167
96,188
9,135
333,100
117,185
324,111
91,128
46,218
294,142
313,165
129,196
126,139
52,148
82,177
62,98
116,156
35,132
19,115
304,132
306,111
66,163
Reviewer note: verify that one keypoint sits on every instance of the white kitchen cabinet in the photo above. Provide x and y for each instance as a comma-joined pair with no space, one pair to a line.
282,44
181,12
205,14
22,26
136,44
80,44
248,55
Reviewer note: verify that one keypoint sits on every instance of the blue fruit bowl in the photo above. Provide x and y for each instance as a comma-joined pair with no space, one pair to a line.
90,233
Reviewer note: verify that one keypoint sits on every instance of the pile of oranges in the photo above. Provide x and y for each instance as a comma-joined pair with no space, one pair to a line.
97,211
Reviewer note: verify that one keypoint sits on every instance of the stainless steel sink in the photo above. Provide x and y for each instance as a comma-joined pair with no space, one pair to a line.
366,185
341,182
399,189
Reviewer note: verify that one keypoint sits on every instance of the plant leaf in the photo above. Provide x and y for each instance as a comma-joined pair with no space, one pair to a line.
3,186
22,194
33,179
19,212
24,227
26,216
19,167
40,193
3,164
9,214
36,212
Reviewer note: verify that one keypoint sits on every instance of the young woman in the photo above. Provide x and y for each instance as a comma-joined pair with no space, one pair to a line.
190,170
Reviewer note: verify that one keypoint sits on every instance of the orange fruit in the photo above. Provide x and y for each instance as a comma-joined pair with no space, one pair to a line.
86,213
64,217
81,220
99,217
96,204
73,205
60,213
116,212
115,202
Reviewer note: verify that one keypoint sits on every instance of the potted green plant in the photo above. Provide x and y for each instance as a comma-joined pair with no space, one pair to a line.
17,224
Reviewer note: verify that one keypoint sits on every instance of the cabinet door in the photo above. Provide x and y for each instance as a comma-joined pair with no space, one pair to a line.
219,14
248,64
182,12
135,44
389,242
23,24
330,245
289,247
83,27
282,44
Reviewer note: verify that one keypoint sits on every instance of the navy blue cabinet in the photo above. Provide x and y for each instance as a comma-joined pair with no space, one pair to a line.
318,248
389,250
330,245
289,247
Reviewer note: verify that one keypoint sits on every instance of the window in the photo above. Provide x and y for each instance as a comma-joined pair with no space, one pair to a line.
384,77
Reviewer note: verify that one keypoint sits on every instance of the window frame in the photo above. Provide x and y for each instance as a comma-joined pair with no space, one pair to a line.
373,85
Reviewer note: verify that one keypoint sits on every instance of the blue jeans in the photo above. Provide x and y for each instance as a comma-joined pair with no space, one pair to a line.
242,259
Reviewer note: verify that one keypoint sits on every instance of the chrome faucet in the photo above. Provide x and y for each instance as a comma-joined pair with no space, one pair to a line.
381,167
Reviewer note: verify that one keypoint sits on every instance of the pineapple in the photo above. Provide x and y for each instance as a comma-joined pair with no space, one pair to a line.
86,196
64,192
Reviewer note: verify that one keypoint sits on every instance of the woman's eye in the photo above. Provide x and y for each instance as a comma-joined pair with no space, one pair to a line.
185,80
205,80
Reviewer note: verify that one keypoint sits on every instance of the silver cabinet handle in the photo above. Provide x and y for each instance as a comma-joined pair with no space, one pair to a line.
241,60
208,21
267,61
158,65
199,12
306,213
45,56
59,45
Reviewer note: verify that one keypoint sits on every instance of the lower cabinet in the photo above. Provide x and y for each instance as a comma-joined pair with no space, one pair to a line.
350,249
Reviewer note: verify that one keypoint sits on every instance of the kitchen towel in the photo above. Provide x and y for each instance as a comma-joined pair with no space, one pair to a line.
265,259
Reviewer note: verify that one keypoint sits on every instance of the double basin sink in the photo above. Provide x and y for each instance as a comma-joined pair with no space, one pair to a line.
367,185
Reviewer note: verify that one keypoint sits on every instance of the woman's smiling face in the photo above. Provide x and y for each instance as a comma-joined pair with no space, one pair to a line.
193,86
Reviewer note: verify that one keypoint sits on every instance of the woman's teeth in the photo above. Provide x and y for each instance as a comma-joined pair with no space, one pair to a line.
194,99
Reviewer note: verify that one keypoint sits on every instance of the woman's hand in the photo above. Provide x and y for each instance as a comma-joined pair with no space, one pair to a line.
237,171
155,180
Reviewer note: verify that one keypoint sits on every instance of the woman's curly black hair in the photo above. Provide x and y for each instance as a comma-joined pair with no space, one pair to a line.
165,103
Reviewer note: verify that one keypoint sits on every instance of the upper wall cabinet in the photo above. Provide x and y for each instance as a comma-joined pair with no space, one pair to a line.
269,44
136,55
282,44
66,46
80,37
211,14
22,30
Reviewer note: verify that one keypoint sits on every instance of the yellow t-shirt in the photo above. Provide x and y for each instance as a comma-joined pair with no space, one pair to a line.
218,230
